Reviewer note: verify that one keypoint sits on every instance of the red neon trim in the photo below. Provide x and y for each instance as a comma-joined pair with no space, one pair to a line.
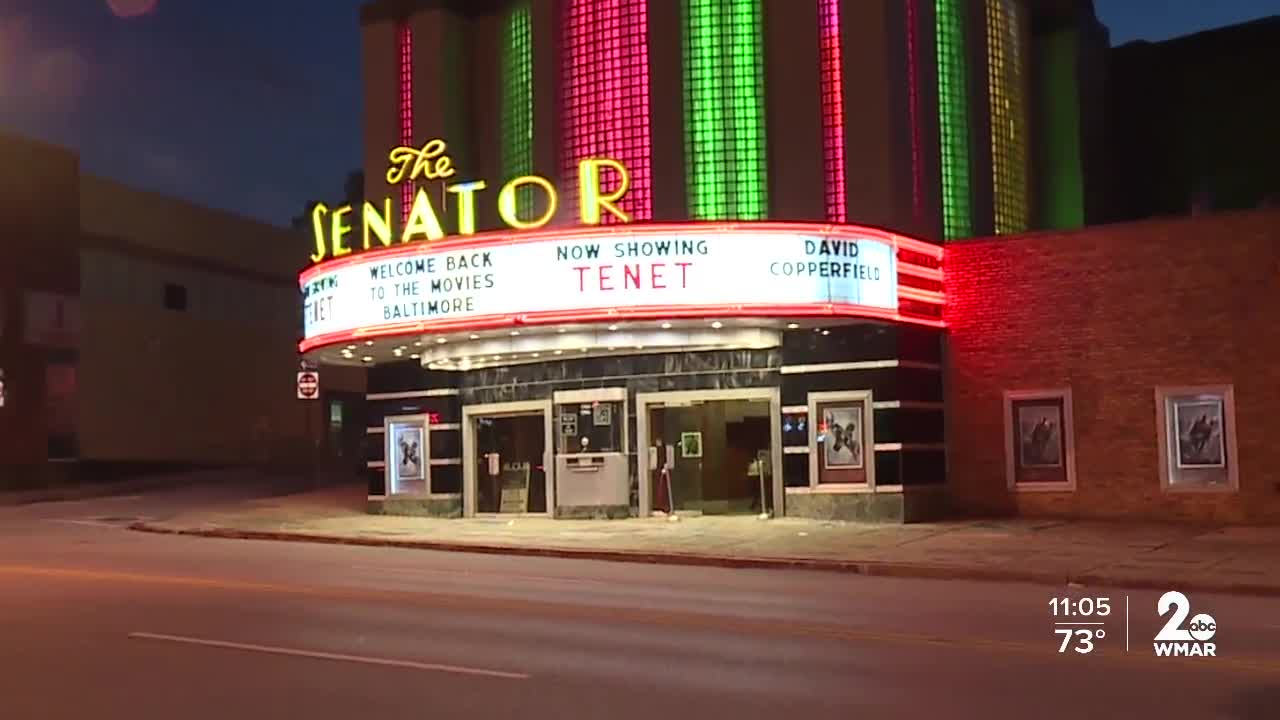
509,237
404,41
647,312
923,296
920,272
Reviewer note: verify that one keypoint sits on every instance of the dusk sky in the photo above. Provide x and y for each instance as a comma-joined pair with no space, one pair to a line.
253,105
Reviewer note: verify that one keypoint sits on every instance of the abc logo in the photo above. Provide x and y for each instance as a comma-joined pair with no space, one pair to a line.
1202,627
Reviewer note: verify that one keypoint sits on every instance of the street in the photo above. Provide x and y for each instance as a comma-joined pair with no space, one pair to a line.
103,622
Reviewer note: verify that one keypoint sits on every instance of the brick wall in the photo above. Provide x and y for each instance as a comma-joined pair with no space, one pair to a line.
1112,312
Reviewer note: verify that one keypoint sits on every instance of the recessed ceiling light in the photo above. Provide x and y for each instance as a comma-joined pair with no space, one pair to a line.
441,341
415,357
817,329
583,349
475,337
613,327
560,330
666,326
366,358
610,348
792,326
351,347
515,333
418,343
536,355
717,325
497,357
559,352
368,342
826,332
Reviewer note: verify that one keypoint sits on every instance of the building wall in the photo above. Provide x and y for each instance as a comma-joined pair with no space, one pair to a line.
39,196
97,368
1113,312
211,383
154,380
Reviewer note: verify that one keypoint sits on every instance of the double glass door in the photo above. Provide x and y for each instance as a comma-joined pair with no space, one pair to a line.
712,457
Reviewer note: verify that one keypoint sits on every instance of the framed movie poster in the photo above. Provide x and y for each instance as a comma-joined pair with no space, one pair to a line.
1039,441
1199,426
843,447
691,444
408,448
1039,427
1197,438
406,455
841,435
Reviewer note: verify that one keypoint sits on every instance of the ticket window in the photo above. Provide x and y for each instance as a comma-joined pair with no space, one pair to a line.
591,449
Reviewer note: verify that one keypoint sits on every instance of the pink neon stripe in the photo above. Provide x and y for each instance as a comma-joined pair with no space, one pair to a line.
832,107
606,95
917,138
404,42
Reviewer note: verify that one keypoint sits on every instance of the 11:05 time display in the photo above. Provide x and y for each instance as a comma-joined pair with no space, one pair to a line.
1083,607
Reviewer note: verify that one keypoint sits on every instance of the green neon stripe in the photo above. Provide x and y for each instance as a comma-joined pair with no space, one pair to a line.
517,103
953,119
1061,170
1005,58
725,150
747,109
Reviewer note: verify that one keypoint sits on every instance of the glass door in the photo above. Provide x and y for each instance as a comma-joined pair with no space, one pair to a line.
509,452
711,456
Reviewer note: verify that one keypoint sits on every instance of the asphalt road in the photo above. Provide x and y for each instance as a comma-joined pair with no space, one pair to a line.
102,622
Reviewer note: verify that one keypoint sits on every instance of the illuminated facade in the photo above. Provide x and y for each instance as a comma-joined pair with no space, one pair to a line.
691,258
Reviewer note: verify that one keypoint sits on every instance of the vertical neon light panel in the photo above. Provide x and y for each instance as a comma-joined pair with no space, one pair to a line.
953,119
404,43
724,110
1008,119
832,108
517,103
913,99
606,96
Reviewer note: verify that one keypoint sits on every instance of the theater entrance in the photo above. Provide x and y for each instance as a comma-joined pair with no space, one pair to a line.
506,449
712,452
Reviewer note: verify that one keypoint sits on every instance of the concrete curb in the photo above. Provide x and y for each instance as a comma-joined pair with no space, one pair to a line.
871,568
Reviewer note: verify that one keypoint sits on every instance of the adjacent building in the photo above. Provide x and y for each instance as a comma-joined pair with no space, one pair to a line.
140,332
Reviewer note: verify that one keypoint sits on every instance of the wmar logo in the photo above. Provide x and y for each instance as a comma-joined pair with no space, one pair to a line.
1174,640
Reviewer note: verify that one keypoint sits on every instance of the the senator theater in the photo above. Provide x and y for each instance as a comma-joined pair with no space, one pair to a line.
719,256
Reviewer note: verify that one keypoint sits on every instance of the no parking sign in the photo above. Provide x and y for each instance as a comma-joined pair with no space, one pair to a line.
308,385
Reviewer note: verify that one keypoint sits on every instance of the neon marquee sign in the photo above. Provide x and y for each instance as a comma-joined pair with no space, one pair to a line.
333,227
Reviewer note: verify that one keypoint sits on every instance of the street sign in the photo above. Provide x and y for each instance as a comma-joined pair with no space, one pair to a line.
308,385
306,365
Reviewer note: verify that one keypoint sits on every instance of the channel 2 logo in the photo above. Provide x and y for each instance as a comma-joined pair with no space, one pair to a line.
1174,640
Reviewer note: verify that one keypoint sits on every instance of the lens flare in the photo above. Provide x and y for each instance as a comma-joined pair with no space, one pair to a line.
131,8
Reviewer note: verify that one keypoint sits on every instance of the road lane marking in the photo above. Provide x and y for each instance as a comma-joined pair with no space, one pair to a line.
469,574
319,655
689,621
89,523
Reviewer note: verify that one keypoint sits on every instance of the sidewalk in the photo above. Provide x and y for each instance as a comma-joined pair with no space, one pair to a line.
1224,559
